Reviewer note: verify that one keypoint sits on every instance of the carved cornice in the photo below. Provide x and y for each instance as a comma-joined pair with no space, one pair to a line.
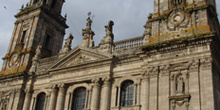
82,66
178,44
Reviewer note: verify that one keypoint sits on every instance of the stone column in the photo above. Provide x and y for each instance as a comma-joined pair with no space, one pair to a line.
27,99
145,93
135,95
12,96
89,99
53,96
119,96
95,94
17,100
107,94
61,97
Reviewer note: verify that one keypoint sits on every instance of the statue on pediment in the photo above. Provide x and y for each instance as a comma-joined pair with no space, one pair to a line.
108,28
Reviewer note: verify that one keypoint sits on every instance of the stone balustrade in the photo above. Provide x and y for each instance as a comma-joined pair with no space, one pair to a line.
129,43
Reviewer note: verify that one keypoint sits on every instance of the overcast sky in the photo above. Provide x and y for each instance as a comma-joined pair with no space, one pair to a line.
129,16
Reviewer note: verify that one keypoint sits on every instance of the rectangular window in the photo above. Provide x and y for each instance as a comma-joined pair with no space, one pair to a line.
48,42
23,36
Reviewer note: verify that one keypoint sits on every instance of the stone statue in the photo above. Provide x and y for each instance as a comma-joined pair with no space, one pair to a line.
180,85
38,52
108,28
87,34
36,58
148,29
68,41
106,44
67,45
88,24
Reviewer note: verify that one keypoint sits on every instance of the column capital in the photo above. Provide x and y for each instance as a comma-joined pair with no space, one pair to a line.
107,81
53,86
96,82
62,85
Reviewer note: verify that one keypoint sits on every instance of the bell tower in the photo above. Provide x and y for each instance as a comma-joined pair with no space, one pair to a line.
39,23
173,19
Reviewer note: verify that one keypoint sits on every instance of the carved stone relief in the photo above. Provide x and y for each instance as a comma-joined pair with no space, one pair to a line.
179,77
80,59
4,100
178,20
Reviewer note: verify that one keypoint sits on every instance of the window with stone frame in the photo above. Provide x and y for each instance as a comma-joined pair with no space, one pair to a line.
127,93
40,101
48,42
79,98
35,1
23,37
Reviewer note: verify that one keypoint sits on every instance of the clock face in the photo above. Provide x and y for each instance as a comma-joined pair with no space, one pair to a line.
14,60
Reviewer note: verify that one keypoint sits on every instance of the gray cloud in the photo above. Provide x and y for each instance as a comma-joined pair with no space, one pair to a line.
129,17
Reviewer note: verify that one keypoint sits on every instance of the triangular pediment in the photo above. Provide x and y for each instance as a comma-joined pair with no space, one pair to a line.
79,56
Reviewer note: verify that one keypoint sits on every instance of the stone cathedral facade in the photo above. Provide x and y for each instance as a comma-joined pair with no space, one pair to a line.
174,65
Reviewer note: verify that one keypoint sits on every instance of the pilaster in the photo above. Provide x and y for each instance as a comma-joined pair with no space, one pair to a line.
95,94
145,92
27,99
61,96
107,94
53,97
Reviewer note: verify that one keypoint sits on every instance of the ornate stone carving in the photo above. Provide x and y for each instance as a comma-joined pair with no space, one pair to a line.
148,28
153,72
178,20
164,70
89,23
35,59
88,35
107,43
67,45
38,52
108,28
180,84
96,82
4,99
81,59
180,102
107,81
62,85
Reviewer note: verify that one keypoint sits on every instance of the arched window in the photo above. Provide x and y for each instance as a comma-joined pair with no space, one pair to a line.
127,93
40,101
79,97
